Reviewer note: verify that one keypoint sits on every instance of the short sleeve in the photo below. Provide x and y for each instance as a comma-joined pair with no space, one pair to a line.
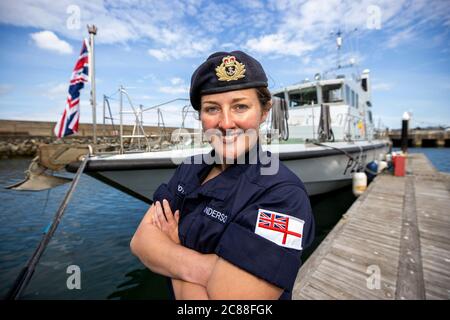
267,237
168,190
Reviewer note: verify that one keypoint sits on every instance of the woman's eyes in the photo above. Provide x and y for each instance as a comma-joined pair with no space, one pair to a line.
237,108
211,109
241,107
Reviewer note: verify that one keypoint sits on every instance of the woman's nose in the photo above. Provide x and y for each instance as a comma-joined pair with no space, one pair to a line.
226,120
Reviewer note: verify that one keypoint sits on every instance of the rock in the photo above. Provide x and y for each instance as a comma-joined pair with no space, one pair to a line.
13,148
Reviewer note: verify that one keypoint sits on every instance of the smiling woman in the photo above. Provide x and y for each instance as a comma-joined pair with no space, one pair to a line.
231,122
224,229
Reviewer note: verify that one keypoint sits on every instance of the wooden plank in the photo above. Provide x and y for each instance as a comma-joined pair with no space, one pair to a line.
346,283
410,283
401,225
313,293
334,292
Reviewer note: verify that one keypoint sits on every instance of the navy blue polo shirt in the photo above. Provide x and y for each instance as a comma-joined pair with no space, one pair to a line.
258,222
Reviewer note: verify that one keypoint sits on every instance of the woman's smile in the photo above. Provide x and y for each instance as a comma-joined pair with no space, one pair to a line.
230,138
231,120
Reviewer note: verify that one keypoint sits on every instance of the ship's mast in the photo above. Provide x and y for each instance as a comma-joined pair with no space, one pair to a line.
339,45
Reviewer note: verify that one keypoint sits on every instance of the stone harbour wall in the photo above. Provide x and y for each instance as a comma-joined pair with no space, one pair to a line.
26,147
22,138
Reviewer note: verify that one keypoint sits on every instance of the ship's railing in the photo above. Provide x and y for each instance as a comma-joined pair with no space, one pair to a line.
140,140
184,135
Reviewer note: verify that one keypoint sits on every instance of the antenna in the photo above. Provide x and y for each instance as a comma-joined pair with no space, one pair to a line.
339,41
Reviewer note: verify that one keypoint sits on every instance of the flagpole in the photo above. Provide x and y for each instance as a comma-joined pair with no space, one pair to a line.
92,32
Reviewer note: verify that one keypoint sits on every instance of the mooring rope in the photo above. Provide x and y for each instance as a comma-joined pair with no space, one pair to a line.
280,116
27,272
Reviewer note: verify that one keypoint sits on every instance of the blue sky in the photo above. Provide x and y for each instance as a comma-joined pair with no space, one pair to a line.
152,48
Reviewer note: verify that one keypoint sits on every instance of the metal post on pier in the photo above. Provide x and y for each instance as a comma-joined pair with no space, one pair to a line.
405,119
92,32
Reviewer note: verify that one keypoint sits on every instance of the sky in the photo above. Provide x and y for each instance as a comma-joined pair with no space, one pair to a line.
153,47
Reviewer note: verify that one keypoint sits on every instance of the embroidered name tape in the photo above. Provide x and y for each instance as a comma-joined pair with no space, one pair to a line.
214,214
282,229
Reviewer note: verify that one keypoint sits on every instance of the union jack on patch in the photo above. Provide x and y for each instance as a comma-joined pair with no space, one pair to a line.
282,229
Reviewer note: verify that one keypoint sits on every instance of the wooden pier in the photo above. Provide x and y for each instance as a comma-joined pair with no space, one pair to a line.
393,243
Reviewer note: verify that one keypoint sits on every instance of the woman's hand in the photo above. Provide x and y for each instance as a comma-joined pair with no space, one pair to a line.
157,245
166,221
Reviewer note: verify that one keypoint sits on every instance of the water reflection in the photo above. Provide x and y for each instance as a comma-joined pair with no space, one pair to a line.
142,284
328,209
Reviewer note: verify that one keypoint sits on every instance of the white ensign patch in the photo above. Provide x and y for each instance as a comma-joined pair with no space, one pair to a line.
282,229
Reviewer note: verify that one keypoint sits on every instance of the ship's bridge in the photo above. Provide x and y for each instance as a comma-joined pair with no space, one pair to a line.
348,102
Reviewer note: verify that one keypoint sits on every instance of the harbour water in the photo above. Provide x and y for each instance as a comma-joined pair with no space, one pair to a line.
95,232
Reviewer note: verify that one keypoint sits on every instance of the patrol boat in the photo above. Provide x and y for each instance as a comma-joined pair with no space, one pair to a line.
325,134
322,130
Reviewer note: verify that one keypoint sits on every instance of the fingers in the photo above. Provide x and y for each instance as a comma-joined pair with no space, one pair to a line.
163,217
177,216
159,215
168,212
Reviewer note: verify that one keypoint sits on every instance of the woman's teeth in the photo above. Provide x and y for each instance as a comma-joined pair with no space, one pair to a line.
230,138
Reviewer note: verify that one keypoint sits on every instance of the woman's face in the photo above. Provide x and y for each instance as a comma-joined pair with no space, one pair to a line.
231,121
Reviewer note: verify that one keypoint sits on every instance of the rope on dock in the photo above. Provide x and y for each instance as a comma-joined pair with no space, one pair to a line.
27,272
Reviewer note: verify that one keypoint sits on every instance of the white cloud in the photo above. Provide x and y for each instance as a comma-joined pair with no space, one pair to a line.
174,89
179,29
160,54
382,86
253,4
55,91
279,44
400,38
188,46
5,89
49,41
178,87
176,81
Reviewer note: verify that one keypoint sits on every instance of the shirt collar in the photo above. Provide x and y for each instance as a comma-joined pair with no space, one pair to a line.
220,186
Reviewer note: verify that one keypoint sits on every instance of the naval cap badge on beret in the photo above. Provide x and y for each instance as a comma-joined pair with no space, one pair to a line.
226,71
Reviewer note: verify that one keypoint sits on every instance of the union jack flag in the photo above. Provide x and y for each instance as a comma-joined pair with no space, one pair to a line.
283,229
68,124
273,221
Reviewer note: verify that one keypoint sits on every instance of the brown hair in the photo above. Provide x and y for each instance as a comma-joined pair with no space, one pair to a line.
264,97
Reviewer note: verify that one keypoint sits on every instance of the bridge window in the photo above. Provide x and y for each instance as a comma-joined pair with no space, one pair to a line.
357,101
347,94
332,93
279,95
364,84
353,98
303,97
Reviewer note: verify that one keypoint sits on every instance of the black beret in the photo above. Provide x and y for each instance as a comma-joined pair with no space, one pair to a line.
226,71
